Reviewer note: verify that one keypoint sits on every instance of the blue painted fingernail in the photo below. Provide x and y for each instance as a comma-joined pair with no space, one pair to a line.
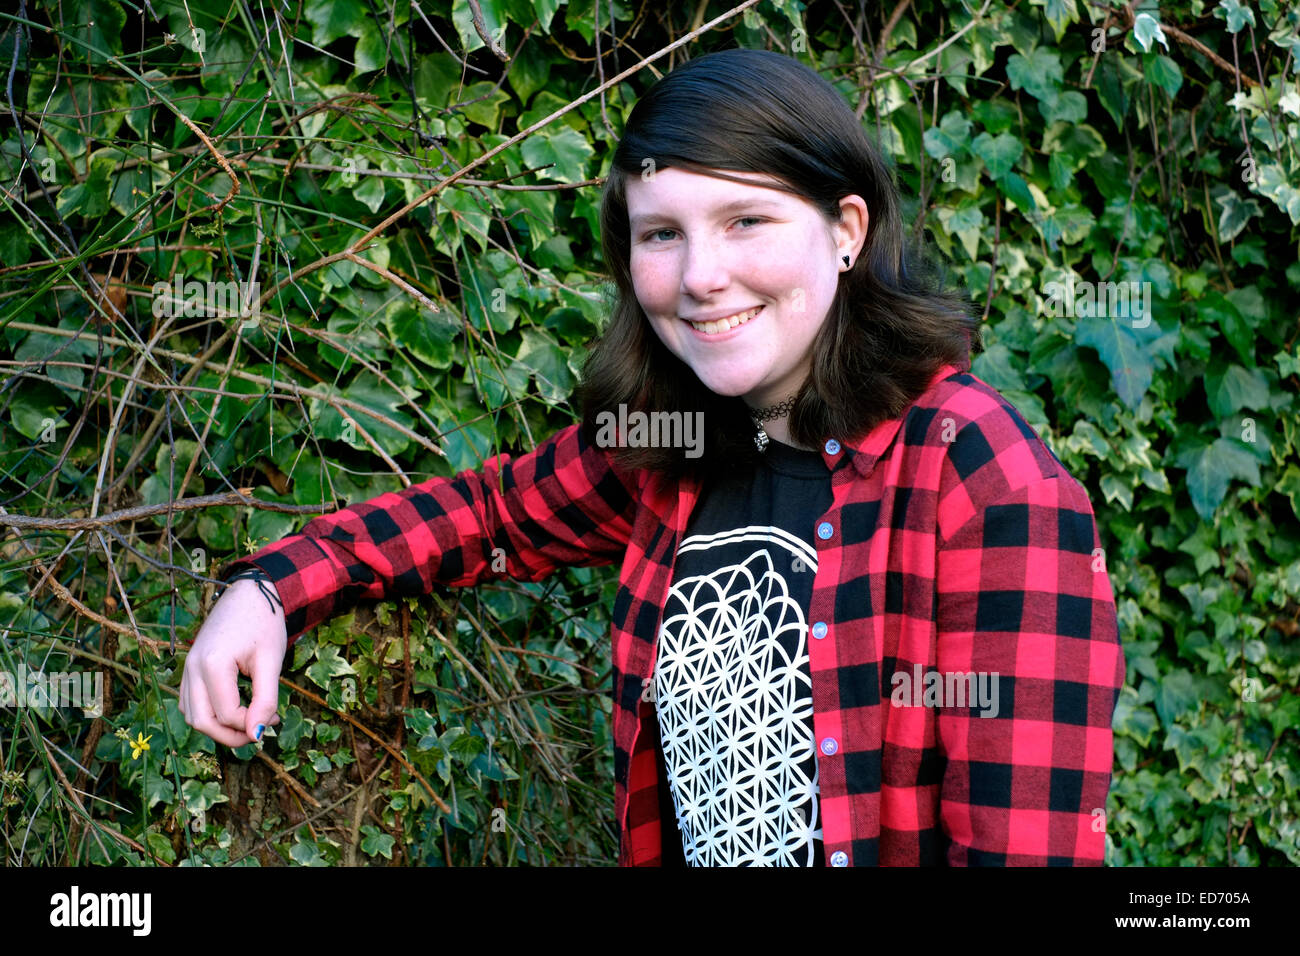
260,728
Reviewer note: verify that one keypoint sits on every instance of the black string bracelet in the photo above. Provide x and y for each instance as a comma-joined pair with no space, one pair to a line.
261,577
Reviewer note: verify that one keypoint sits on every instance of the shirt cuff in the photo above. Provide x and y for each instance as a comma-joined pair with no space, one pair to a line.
307,580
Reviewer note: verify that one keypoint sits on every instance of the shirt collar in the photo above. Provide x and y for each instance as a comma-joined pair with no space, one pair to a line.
866,451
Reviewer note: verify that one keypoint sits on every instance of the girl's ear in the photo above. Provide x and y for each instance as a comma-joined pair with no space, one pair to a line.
853,222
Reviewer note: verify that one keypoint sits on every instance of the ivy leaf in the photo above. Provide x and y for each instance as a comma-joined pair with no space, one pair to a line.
32,411
309,852
378,396
529,71
1215,309
1039,73
1123,352
455,205
1015,189
328,665
319,761
950,136
160,844
202,796
375,842
292,729
1116,488
1235,14
1290,486
1060,170
1272,182
499,379
468,443
494,18
138,116
1211,467
996,116
429,336
370,191
1135,721
437,77
998,152
1146,29
954,61
547,361
997,366
1022,29
1069,107
567,149
1250,307
1060,14
1232,388
533,211
1069,224
1163,72
69,99
1236,212
1177,695
371,52
331,19
1202,545
14,245
908,128
967,223
483,103
1112,88
89,197
1078,142
1285,715
158,789
97,23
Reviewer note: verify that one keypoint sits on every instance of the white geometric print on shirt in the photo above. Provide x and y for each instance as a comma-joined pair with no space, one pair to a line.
735,706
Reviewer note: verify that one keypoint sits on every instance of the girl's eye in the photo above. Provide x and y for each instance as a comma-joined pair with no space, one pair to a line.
653,236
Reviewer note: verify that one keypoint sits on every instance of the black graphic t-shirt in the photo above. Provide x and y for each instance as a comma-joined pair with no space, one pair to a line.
732,687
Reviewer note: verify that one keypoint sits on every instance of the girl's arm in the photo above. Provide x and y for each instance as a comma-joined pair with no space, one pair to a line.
1023,592
561,504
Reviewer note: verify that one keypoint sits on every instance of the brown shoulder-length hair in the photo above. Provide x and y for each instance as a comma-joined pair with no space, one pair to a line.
892,324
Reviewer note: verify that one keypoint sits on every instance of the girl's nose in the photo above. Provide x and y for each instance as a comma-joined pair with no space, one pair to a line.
704,271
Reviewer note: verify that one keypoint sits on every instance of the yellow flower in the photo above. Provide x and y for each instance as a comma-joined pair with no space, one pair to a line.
139,745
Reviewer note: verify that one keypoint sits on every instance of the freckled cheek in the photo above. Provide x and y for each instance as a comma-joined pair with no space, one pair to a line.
778,266
655,287
802,279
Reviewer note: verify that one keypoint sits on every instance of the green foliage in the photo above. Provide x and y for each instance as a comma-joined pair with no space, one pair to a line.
1122,207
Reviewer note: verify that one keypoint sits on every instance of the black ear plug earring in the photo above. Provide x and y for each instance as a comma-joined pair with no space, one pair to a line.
846,260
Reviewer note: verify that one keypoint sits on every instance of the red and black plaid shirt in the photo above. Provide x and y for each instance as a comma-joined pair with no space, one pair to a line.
956,541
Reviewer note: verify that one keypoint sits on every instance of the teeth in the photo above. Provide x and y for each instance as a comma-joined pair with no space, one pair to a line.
722,325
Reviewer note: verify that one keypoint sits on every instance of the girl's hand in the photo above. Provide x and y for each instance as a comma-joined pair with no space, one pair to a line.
244,634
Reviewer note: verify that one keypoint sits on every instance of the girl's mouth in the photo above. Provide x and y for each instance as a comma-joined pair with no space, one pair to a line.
719,326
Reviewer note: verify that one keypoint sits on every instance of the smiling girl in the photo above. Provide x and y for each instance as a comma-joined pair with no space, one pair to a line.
863,508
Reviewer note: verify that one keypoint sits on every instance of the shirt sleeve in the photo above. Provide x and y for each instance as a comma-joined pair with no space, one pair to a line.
564,503
1024,602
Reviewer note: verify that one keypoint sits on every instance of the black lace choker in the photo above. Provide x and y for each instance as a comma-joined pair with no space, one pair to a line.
772,411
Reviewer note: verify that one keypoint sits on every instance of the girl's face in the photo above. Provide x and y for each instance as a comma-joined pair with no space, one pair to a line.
706,253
